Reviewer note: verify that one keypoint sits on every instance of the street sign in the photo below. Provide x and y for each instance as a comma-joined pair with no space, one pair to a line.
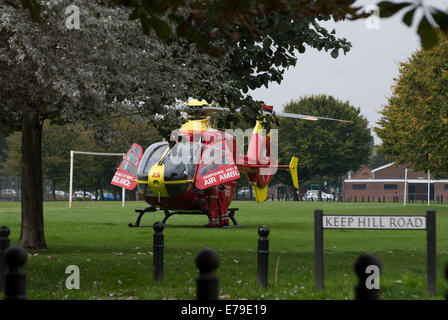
374,222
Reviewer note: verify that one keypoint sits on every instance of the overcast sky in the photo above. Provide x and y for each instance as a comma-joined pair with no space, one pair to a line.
363,76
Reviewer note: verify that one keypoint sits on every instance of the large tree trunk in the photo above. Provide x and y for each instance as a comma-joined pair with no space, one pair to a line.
32,228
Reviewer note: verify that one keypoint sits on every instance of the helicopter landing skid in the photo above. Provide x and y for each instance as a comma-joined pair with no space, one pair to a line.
169,214
231,214
140,215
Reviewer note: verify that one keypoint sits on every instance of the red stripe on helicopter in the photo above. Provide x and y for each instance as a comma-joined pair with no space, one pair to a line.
222,175
123,179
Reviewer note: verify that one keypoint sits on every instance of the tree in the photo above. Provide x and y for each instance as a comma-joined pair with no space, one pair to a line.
225,19
413,124
249,62
106,68
325,148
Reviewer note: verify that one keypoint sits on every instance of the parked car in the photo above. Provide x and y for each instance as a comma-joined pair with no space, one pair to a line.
8,194
61,195
314,195
81,195
244,191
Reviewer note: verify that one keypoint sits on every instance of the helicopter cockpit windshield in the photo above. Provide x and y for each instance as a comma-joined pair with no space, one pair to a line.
151,156
180,166
180,162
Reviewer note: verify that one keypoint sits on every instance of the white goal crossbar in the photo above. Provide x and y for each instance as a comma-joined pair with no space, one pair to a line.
72,155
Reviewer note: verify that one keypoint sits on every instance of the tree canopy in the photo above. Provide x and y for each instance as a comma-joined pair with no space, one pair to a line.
226,19
414,124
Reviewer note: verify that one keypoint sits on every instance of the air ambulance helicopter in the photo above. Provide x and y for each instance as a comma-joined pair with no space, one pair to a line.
199,174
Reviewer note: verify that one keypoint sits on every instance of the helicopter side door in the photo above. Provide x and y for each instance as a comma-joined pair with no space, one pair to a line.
216,166
127,171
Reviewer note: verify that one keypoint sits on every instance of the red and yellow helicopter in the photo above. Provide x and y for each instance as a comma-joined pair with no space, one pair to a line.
198,174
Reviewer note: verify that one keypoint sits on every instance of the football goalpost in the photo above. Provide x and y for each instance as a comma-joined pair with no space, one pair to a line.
72,156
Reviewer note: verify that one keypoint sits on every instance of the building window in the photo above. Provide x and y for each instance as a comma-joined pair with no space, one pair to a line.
359,186
390,187
446,186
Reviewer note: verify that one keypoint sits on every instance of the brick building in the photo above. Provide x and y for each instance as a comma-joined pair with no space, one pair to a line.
388,183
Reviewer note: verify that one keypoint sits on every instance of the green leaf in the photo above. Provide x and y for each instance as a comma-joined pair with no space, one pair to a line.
161,28
428,35
35,9
335,53
407,18
441,18
388,9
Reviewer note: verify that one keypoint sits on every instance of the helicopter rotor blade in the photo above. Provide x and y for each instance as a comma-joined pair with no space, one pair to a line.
305,117
210,109
194,106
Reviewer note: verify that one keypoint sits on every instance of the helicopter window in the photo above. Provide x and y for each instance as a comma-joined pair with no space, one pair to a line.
180,162
129,167
133,158
150,157
136,150
152,154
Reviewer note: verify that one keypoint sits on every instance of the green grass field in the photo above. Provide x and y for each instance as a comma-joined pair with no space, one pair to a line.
115,261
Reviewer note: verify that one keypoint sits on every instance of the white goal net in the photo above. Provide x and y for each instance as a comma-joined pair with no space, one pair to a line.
72,156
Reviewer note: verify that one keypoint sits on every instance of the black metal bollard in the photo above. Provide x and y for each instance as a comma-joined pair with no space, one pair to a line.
367,268
446,277
207,284
4,245
263,256
15,277
158,247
